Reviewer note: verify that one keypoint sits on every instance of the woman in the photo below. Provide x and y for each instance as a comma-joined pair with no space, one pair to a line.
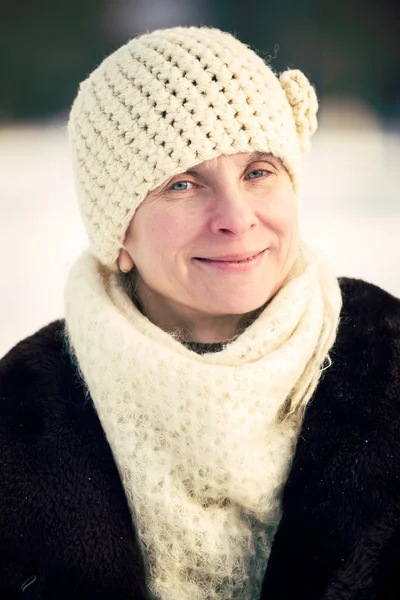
217,416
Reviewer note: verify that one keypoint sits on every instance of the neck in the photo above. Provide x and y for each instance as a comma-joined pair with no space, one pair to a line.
187,327
182,323
201,329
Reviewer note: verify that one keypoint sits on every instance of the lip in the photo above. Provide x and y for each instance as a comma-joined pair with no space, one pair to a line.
229,266
231,257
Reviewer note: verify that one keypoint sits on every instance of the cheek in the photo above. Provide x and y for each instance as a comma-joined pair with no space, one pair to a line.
161,233
283,220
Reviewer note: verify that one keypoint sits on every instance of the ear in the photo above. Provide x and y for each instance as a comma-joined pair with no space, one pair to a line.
125,261
303,100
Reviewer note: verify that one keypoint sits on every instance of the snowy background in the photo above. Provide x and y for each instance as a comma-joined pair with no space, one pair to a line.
350,210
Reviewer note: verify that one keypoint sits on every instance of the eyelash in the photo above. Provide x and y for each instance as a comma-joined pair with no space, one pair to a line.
260,171
171,187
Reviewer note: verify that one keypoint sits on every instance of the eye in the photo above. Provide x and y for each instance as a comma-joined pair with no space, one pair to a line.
181,186
257,174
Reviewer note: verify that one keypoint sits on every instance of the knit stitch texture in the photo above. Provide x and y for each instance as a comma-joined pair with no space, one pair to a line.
199,440
169,100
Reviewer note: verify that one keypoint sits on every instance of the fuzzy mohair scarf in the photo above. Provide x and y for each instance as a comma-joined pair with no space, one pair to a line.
203,443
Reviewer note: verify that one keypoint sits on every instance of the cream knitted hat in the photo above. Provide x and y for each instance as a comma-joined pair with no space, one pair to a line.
169,100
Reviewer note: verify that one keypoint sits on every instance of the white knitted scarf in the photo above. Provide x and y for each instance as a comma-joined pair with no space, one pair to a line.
199,440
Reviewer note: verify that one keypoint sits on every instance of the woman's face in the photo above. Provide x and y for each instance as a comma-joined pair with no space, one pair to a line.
187,237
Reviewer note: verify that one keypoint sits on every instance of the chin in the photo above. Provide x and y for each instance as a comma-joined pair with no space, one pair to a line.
235,306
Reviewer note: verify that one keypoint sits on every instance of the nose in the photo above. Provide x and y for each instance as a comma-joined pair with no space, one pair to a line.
232,214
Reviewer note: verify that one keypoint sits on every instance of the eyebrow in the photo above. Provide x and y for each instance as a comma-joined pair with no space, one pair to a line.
255,156
259,155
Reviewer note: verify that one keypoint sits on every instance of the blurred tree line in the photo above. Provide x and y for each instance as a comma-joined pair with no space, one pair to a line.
347,47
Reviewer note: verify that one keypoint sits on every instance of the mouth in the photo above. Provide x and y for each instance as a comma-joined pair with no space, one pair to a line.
232,258
234,264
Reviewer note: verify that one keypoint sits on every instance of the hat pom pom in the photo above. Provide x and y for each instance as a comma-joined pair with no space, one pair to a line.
303,100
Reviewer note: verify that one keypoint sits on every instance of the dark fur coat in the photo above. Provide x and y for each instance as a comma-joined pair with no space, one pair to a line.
65,527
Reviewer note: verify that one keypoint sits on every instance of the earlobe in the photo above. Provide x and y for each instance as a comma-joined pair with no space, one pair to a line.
125,262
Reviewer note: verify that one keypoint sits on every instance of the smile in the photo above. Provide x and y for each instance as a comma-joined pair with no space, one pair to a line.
233,264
